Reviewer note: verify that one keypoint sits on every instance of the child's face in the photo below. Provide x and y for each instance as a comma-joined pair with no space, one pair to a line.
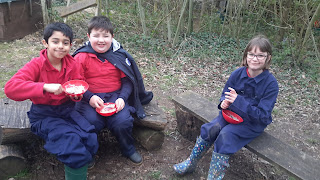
256,59
58,46
100,40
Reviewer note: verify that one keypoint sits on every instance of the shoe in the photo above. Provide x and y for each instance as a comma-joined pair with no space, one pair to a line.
136,158
92,163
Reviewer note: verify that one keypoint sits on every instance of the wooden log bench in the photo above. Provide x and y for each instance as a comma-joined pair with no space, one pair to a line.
15,129
193,110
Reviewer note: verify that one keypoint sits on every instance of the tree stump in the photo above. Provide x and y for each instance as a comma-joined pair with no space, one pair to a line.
188,122
148,132
148,138
11,160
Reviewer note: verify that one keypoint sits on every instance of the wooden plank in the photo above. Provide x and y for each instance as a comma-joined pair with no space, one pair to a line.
76,7
295,162
290,159
196,105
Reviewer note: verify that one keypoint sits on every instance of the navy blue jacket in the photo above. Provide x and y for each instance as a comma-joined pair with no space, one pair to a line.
256,96
121,59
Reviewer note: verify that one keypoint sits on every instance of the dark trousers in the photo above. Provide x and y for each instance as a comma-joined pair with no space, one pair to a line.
67,134
229,138
120,124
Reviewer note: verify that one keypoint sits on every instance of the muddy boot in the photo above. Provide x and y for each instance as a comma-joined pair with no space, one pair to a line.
76,174
190,164
218,165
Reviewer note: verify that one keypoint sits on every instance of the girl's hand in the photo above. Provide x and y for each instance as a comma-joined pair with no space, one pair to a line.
96,101
120,104
53,88
231,96
225,104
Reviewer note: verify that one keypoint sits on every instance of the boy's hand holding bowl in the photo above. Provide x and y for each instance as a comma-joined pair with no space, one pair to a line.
75,89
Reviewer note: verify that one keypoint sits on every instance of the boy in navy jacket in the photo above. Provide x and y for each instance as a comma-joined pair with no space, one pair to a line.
113,76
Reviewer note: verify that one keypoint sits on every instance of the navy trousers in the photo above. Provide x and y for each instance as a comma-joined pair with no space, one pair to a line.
120,124
229,138
67,134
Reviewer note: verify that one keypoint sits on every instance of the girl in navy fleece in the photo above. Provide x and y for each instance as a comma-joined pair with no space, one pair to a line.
251,92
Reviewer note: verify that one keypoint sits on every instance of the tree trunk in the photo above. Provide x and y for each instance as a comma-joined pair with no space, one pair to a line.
190,18
168,20
315,16
45,14
148,138
142,17
176,36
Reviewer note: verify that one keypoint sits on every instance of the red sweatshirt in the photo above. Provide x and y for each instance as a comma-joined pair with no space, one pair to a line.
102,77
28,82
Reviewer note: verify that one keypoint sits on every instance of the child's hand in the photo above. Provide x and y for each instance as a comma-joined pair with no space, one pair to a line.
231,96
225,104
120,104
53,88
96,101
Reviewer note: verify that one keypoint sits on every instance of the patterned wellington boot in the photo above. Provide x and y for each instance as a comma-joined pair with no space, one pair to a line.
190,164
218,165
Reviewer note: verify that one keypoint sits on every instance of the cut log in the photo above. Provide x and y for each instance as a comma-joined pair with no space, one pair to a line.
11,160
188,122
14,121
15,135
148,138
155,118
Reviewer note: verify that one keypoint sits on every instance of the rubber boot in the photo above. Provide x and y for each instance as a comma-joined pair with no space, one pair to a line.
76,174
218,165
190,164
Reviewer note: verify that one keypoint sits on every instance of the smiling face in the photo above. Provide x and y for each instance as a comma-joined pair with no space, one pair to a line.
100,40
58,46
256,60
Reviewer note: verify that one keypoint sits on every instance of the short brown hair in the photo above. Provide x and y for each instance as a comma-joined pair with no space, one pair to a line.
263,44
100,22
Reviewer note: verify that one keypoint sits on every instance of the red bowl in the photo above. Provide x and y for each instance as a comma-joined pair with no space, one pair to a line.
75,87
231,117
107,110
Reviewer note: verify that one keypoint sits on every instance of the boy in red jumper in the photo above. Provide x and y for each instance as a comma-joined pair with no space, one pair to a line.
113,76
67,134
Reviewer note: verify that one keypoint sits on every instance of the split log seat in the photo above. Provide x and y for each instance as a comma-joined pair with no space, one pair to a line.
193,110
15,128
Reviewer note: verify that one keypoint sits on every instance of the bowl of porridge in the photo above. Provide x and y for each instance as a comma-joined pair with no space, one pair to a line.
231,117
108,109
